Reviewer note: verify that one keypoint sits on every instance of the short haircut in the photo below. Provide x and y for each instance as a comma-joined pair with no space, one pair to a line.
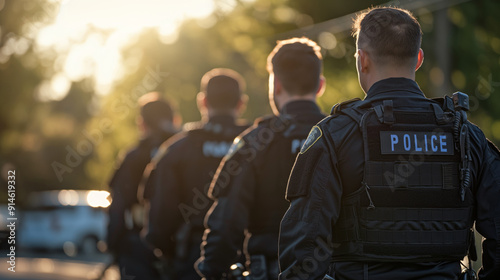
392,35
297,63
155,110
223,88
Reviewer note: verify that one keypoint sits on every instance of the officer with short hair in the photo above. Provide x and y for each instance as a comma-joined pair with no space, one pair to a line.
156,123
250,183
185,166
389,187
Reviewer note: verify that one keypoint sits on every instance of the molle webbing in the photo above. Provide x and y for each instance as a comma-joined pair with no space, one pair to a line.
404,174
409,207
410,224
404,231
420,231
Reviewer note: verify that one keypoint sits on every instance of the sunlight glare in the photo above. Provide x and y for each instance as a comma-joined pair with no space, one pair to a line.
79,63
98,199
60,84
93,32
54,89
68,197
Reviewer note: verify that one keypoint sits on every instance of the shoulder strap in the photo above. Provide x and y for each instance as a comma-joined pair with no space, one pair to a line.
445,102
385,112
354,108
337,108
264,119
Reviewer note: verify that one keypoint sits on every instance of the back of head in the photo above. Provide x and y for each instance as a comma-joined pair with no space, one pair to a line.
297,63
391,35
223,88
155,111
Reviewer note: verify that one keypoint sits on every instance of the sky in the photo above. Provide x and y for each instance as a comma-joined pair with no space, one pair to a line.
97,55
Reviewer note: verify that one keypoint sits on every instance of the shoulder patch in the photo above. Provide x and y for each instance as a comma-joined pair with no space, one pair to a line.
238,143
313,136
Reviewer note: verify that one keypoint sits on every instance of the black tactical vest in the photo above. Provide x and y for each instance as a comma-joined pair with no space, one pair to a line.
412,205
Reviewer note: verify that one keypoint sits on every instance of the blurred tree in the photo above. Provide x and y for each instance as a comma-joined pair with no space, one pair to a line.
38,125
475,42
21,71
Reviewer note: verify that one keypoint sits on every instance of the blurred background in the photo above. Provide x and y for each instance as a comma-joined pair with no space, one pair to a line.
72,71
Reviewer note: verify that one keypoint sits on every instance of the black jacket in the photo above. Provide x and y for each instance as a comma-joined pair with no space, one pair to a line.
181,180
332,168
249,188
124,188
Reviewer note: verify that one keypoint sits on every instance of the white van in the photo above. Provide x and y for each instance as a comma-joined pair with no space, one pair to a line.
72,220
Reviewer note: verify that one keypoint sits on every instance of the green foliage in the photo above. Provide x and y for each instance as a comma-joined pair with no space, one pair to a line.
476,61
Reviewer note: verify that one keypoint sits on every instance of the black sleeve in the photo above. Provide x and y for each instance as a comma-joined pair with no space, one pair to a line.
314,191
123,187
233,189
488,211
164,217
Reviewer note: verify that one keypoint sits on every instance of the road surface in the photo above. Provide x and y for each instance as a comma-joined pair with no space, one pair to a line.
56,266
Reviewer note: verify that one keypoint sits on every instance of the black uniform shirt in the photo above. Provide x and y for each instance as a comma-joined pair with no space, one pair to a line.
249,188
332,168
182,177
124,187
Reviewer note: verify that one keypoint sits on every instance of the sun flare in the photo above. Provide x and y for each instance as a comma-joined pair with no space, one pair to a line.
89,35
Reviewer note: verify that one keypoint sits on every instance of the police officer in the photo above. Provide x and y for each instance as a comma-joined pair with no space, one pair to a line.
125,212
389,187
250,183
186,167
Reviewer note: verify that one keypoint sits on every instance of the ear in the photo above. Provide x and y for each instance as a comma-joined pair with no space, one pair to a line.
141,124
242,104
420,59
243,101
177,121
278,87
322,85
201,101
364,60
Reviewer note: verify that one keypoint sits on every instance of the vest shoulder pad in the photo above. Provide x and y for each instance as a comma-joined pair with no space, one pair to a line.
354,109
337,108
273,120
445,102
263,120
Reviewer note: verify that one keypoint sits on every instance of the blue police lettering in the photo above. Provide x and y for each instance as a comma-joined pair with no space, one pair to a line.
215,149
418,142
394,140
434,148
417,148
407,142
442,141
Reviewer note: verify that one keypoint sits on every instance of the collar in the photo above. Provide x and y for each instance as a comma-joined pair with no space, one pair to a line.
298,107
222,119
396,86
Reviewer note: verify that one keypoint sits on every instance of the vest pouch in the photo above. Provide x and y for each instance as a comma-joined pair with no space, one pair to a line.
347,226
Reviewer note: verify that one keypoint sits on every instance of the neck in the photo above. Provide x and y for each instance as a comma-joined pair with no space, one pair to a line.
386,73
289,98
214,113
